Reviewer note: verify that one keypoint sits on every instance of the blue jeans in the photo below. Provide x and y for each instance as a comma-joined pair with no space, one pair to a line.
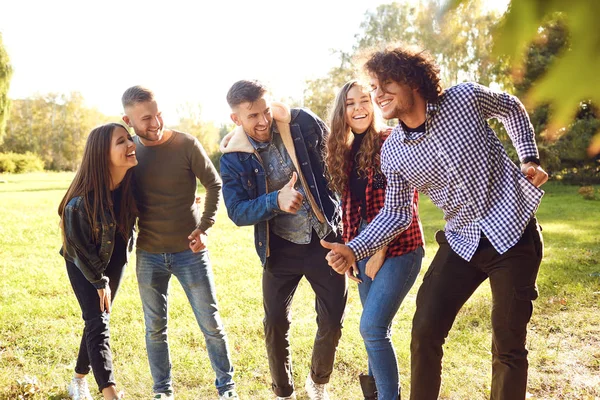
194,272
381,299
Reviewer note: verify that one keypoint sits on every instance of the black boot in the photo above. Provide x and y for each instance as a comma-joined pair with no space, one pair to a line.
367,384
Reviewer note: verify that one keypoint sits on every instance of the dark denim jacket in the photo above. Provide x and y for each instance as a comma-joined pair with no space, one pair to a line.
245,191
79,247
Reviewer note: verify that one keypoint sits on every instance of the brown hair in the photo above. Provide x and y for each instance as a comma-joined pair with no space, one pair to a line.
92,181
410,66
245,92
337,153
136,94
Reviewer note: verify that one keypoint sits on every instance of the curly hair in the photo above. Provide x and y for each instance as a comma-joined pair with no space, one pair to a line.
410,66
339,143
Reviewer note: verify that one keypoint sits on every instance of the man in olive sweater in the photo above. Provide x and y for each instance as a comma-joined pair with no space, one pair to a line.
173,237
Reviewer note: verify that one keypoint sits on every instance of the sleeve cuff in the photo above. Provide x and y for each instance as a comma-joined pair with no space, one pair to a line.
272,205
102,283
359,248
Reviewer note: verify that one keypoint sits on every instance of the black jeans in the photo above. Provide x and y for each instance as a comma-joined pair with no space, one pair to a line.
448,283
94,349
286,265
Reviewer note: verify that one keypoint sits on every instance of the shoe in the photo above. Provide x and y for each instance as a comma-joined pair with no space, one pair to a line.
79,389
367,384
291,397
163,396
230,394
316,391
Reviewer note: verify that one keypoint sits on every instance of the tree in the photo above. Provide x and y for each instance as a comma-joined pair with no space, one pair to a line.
460,42
571,78
5,76
53,126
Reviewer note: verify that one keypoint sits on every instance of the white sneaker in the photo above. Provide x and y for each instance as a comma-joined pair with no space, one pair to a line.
316,391
292,397
163,396
230,394
79,389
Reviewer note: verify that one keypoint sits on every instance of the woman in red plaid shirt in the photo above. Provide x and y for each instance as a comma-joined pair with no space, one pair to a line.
353,161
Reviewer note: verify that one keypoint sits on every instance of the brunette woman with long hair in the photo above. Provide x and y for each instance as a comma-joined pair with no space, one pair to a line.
353,161
97,217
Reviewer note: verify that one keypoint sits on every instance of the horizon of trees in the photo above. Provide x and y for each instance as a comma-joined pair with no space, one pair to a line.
463,38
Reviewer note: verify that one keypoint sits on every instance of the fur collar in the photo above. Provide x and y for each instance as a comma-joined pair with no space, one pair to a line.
237,140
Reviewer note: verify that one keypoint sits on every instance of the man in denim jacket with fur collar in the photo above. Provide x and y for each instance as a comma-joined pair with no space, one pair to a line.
273,178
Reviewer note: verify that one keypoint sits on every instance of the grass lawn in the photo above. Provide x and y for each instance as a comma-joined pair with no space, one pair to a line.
40,320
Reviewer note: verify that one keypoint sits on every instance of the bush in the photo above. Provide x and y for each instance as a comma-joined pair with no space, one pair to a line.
19,163
587,192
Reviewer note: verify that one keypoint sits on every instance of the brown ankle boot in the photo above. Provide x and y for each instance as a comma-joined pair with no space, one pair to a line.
367,384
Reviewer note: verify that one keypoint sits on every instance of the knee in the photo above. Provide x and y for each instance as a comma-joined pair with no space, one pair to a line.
370,331
329,325
276,319
97,324
426,328
156,328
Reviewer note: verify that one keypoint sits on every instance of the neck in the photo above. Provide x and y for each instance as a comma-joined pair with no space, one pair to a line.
116,177
416,116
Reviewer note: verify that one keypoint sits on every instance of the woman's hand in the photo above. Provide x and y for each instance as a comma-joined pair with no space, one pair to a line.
104,295
375,262
352,273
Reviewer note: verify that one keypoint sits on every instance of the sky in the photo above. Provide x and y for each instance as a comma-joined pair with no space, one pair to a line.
185,51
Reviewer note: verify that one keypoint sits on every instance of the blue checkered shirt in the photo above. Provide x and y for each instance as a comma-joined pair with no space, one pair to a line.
461,165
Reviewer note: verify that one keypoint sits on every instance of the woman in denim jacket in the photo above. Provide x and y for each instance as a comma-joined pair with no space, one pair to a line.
353,161
97,217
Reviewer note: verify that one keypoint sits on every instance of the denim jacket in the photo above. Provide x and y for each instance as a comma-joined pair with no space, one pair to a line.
79,247
247,198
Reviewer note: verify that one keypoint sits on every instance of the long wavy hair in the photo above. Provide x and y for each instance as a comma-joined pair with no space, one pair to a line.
93,181
339,143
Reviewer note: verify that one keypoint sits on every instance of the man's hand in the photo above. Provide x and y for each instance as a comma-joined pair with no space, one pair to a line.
198,240
375,262
104,295
288,198
340,258
536,175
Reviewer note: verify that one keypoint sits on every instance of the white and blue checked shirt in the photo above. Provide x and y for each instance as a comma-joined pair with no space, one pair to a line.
461,165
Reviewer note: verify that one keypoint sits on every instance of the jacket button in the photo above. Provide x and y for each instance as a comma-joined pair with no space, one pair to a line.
256,170
260,243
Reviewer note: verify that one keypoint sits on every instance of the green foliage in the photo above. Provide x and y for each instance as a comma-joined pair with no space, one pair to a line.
5,76
460,43
20,163
587,192
53,126
572,77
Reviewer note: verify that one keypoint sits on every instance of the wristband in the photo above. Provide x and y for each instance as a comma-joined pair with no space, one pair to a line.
532,159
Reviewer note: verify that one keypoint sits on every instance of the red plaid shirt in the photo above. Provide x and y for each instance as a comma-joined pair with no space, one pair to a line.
407,241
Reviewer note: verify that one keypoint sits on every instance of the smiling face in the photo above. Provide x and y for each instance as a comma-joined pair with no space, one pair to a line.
396,100
359,109
256,118
146,120
122,150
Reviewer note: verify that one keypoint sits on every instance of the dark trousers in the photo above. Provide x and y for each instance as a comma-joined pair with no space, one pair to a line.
94,349
448,283
286,265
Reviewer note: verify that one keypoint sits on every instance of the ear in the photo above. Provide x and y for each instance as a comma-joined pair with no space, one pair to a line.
126,119
235,118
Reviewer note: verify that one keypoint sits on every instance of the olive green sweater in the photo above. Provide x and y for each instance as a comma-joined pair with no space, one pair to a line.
165,181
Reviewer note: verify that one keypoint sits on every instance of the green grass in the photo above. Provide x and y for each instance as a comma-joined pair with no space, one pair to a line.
40,321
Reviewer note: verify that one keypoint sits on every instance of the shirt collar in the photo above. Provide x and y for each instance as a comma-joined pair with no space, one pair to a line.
431,109
263,145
